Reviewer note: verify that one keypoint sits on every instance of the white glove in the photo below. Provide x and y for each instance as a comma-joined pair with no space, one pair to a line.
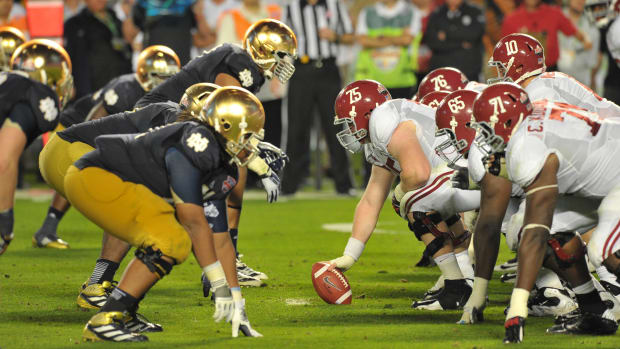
271,183
343,263
471,315
240,322
224,305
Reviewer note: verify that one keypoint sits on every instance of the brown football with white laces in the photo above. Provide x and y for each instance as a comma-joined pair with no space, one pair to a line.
331,285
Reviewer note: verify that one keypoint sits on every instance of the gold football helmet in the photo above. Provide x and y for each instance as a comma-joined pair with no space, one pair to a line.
238,116
47,62
155,64
195,96
272,43
10,39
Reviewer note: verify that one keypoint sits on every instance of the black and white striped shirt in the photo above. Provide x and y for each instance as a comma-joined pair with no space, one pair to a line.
306,20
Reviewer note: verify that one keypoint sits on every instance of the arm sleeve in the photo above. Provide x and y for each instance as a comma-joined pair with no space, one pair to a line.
184,178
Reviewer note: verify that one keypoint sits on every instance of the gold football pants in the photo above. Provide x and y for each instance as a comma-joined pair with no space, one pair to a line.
127,210
55,159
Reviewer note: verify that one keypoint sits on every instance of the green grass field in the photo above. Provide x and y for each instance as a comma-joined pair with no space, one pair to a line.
38,289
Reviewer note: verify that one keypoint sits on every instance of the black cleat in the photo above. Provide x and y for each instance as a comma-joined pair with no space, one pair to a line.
453,296
515,327
587,323
136,322
109,326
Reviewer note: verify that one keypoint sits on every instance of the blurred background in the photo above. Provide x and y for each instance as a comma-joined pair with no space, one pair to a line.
393,41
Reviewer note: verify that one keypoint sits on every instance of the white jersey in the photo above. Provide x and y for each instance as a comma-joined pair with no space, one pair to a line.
559,87
476,169
587,147
383,122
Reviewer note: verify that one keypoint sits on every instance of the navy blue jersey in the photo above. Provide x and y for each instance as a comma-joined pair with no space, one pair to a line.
141,158
135,121
16,88
227,58
118,95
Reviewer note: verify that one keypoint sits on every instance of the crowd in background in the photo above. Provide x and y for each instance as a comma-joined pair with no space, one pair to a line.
393,41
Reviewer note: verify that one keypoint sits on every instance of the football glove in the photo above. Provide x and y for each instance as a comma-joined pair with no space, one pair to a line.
474,307
273,156
397,196
271,183
460,179
224,305
240,322
343,263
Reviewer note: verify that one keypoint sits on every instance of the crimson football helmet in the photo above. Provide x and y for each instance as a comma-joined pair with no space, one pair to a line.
434,98
602,12
498,111
441,79
454,118
353,106
517,57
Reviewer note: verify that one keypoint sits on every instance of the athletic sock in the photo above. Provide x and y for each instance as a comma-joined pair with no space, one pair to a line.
6,222
547,278
104,271
518,303
119,300
50,224
465,264
589,299
605,275
449,266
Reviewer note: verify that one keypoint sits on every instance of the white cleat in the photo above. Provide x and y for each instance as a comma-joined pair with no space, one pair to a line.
549,301
243,268
508,266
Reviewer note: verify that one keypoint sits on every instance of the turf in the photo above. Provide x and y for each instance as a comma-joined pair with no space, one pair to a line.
38,289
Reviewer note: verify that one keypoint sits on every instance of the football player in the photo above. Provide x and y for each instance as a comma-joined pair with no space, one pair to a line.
441,79
155,64
269,49
128,177
520,58
527,145
397,136
10,39
31,98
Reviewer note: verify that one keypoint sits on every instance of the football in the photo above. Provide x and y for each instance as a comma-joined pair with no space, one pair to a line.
331,285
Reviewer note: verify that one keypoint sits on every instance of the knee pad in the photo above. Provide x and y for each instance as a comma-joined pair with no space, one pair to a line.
425,224
452,219
457,240
154,261
556,249
434,246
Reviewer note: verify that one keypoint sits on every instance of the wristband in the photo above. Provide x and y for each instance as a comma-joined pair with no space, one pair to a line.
354,248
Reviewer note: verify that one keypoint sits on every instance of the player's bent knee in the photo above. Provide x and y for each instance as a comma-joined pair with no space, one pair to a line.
566,248
155,261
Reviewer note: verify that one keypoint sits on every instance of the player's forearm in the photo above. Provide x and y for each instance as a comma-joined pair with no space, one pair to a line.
486,244
365,219
203,246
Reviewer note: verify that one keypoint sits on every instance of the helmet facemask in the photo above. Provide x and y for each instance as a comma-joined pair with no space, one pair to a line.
487,141
245,149
282,64
502,71
350,137
450,149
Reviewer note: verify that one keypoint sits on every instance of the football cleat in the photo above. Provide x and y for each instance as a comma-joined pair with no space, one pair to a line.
136,322
514,330
242,268
509,265
5,240
612,302
94,296
425,261
611,288
587,323
508,278
248,281
49,241
453,296
432,292
563,318
109,326
549,301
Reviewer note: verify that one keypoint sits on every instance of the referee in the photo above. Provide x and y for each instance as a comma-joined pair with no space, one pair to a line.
320,26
